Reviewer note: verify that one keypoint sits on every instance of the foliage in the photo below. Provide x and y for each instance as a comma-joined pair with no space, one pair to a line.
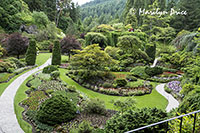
16,44
112,51
84,127
131,18
186,89
150,49
49,69
55,75
129,44
107,85
95,106
56,110
103,28
44,45
91,58
121,82
152,71
127,104
190,103
175,86
139,71
187,125
68,44
96,38
31,53
131,78
40,19
134,119
56,55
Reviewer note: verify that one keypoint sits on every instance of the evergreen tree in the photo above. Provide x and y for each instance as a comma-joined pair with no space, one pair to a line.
131,18
150,49
56,55
31,53
191,20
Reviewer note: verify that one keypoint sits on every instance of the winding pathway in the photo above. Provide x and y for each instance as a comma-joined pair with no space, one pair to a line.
172,102
8,120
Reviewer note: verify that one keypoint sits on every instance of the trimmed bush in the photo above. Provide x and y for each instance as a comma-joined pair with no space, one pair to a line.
107,85
71,88
131,78
55,74
56,55
96,38
152,71
121,82
95,106
150,49
56,110
31,53
49,69
139,71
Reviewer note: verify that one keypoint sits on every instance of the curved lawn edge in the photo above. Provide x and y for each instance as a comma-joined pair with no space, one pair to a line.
20,96
149,100
41,59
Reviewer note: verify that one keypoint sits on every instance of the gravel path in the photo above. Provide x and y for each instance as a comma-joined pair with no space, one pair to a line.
172,102
8,120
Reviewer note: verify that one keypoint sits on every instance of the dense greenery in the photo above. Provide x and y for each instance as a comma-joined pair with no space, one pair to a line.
134,119
56,110
56,55
31,53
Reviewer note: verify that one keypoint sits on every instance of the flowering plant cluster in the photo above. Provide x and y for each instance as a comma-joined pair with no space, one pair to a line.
175,86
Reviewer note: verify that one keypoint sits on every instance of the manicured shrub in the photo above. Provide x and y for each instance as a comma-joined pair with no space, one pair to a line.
121,82
71,88
152,71
49,69
56,110
131,78
19,63
107,85
96,38
133,119
31,53
56,55
95,106
139,71
150,49
55,74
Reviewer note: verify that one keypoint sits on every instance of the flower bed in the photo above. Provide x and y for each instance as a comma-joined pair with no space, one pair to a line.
175,86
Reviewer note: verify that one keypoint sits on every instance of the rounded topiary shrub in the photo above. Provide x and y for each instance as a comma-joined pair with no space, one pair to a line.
121,82
55,74
152,71
50,69
56,110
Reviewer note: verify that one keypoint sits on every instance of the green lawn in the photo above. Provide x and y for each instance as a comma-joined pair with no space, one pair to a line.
20,96
41,59
150,100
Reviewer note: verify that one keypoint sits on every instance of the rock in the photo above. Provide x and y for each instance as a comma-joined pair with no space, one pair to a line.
28,29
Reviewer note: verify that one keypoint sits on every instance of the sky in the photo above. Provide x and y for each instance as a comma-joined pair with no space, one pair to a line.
81,2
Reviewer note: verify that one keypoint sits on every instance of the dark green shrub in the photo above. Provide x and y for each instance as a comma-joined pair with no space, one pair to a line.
190,103
84,127
56,55
133,119
95,106
19,63
31,53
150,49
55,74
71,88
139,71
49,69
11,70
96,38
152,71
107,85
56,110
131,78
120,82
